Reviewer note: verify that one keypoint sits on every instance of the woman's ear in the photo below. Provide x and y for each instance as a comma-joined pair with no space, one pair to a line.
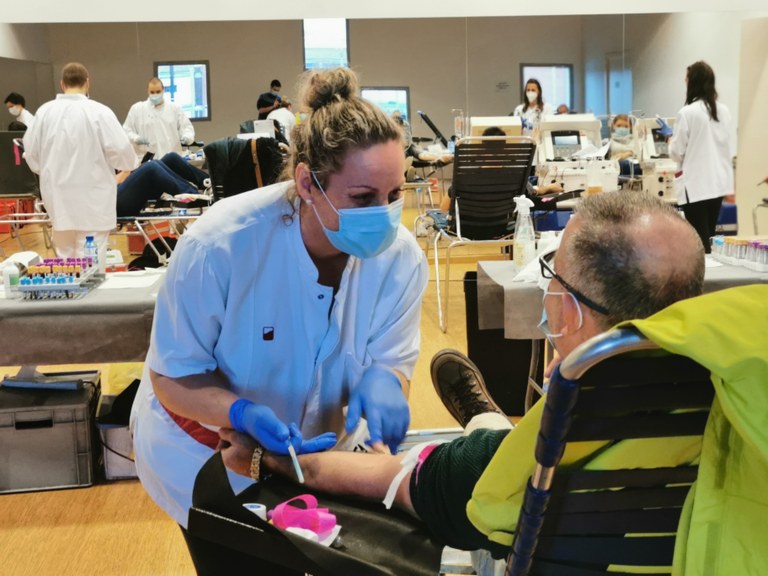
303,179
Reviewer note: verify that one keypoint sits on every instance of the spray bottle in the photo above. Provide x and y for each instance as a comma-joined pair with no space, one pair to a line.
524,247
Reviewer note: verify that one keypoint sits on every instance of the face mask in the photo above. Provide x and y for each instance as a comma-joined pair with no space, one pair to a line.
363,232
621,132
532,96
15,110
156,98
275,93
544,322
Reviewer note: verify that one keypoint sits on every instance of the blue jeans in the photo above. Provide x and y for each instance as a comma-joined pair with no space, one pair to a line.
171,174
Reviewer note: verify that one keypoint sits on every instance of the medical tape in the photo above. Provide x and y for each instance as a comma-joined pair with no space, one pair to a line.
318,520
414,457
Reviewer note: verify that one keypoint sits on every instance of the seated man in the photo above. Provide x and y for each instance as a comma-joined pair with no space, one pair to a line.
622,256
171,174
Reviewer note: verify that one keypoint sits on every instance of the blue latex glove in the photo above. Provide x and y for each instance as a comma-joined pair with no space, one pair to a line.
379,396
261,423
664,128
317,444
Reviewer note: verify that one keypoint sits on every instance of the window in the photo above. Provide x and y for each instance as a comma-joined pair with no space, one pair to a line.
389,99
556,82
187,84
326,43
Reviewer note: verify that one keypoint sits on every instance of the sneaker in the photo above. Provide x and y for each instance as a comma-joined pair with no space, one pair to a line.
460,386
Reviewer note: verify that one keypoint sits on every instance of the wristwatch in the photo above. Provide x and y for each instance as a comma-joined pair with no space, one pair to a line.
255,471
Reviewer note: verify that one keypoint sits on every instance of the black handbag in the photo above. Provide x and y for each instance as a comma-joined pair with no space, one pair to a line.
373,541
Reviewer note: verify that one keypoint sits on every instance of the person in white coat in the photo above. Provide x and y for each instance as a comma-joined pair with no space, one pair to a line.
284,305
701,143
17,107
157,125
533,107
285,116
76,144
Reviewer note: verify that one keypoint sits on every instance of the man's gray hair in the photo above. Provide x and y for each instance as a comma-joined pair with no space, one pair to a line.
607,263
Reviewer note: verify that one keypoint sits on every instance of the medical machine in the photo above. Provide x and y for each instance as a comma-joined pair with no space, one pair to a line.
565,135
570,155
510,125
659,170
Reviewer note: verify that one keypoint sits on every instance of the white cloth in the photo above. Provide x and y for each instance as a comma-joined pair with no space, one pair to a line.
286,118
703,149
166,127
76,145
241,296
26,117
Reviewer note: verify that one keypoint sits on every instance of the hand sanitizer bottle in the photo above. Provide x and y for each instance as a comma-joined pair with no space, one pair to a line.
524,247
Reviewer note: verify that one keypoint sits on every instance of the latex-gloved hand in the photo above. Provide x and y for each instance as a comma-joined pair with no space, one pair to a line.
379,396
141,141
261,423
664,129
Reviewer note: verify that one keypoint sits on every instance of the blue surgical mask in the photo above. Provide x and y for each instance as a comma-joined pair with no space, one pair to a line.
363,232
156,98
544,322
621,132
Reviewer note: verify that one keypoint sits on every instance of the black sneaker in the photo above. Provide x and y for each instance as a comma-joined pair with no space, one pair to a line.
460,386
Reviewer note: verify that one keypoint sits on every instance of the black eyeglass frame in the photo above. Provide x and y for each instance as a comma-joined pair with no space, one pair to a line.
548,273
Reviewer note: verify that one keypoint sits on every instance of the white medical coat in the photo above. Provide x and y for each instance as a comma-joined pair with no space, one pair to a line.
165,126
76,144
241,296
533,115
286,118
703,149
27,118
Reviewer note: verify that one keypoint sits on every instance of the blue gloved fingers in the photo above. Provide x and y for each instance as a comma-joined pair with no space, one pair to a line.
319,443
375,431
261,423
354,412
295,436
394,434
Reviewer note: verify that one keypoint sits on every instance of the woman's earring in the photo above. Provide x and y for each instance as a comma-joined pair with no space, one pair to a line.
309,201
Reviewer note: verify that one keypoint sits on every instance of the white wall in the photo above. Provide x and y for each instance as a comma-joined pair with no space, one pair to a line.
24,42
753,125
24,67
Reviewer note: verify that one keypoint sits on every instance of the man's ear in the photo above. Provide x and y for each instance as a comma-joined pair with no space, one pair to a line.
572,316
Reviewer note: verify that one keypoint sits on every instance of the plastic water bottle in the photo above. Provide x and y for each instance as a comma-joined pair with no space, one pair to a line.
11,280
90,250
524,244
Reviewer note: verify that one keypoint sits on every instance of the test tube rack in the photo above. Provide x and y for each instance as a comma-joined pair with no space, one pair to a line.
59,279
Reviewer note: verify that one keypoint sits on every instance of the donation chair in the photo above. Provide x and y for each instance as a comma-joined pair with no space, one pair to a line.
488,173
373,541
577,521
238,165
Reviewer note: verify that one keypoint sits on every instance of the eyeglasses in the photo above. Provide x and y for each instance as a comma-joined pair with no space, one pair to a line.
548,273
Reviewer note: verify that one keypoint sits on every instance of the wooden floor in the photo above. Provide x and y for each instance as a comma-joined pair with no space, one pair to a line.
114,529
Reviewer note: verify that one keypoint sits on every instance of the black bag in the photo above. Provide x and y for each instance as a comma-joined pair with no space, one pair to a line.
373,541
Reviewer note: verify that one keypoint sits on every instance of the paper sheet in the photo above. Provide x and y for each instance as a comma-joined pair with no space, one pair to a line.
710,262
134,279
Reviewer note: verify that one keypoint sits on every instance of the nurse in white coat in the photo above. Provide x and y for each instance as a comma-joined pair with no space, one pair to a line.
701,143
533,107
76,145
157,125
283,305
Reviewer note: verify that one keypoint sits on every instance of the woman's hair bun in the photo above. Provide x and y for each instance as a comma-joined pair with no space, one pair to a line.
330,86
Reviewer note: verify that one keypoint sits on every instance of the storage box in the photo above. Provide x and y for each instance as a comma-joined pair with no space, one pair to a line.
46,438
116,444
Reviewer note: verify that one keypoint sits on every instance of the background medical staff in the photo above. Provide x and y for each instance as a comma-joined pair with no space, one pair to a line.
156,125
76,145
16,104
533,106
284,304
701,144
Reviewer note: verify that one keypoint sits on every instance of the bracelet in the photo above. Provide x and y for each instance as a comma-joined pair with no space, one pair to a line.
255,470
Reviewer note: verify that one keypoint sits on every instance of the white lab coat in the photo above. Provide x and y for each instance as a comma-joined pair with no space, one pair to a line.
703,149
241,296
76,144
286,118
165,126
533,115
27,118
